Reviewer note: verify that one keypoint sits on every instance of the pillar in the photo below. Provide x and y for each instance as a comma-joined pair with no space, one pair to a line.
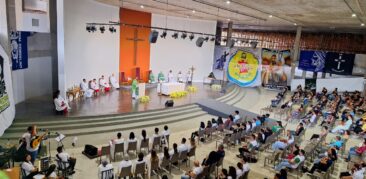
296,51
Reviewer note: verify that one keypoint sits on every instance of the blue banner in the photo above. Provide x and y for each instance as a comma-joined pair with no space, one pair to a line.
312,61
19,49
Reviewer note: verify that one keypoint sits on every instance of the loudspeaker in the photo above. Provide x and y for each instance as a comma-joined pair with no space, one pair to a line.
200,41
153,36
90,151
169,103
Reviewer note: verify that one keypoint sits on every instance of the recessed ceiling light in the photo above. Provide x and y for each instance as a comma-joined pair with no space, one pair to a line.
228,2
295,24
142,6
270,16
354,15
193,11
228,19
362,24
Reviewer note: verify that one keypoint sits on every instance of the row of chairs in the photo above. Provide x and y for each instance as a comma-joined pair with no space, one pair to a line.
132,146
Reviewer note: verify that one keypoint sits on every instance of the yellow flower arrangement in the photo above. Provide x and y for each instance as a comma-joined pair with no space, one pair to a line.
179,94
144,99
216,87
192,89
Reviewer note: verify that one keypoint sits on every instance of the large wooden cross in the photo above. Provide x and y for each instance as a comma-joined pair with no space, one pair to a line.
135,40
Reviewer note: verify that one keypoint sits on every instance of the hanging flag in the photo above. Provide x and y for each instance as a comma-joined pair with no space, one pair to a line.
312,61
339,63
19,49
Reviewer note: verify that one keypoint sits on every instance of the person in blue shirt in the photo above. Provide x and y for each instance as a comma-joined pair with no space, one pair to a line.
338,143
258,122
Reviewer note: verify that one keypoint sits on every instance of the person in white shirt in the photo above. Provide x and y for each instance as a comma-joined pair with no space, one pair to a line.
174,150
113,142
183,146
60,103
103,84
170,77
180,77
239,170
131,139
192,144
113,81
236,117
293,163
85,88
65,157
105,166
196,170
126,162
246,167
189,77
27,138
165,134
31,171
94,86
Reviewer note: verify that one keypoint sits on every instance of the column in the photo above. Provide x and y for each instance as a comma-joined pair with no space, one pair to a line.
61,48
229,32
296,50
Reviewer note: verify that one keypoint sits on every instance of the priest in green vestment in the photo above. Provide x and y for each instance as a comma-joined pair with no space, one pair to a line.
161,77
135,89
151,77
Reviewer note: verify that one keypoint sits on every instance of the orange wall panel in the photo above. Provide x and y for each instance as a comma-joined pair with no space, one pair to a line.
127,46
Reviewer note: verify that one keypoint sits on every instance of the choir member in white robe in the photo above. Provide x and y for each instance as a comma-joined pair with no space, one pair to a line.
94,86
60,103
180,77
189,77
85,88
103,84
113,81
170,77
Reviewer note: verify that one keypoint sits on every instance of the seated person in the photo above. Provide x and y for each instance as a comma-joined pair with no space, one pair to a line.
113,81
85,88
281,175
30,170
183,146
341,127
192,145
60,103
126,162
151,77
293,163
358,151
337,143
247,148
140,160
103,84
94,86
299,129
65,157
357,172
161,77
105,166
236,117
113,142
322,165
196,170
323,133
279,144
276,128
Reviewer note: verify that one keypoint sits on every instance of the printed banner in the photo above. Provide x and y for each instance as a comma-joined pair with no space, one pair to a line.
244,67
276,68
19,49
4,98
312,61
221,58
339,63
310,84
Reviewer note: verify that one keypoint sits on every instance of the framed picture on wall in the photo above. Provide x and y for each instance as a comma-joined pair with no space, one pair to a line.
35,6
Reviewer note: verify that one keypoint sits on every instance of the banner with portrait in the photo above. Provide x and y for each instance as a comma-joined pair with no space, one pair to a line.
4,98
221,58
312,60
244,67
276,68
19,49
339,63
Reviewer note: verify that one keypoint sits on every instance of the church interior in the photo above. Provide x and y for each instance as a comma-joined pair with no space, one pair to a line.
224,89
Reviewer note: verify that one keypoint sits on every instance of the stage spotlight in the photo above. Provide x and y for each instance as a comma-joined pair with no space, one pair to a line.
175,35
206,39
112,29
88,28
191,37
184,35
163,35
93,28
253,44
102,29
